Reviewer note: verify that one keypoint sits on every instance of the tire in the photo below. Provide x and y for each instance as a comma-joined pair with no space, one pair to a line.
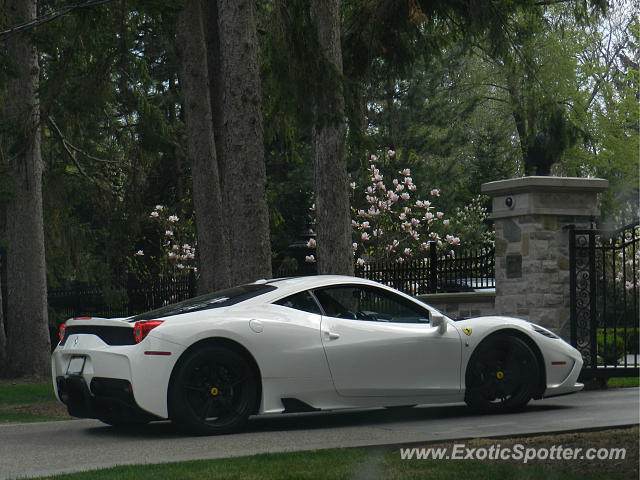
213,391
502,375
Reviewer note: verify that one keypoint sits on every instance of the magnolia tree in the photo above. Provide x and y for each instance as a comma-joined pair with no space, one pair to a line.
627,263
176,253
398,223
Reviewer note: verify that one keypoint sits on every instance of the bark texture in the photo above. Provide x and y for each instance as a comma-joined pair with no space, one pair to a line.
213,247
333,223
245,171
28,351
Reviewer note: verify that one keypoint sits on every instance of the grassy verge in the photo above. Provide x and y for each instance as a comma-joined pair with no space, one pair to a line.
324,464
29,402
360,463
624,382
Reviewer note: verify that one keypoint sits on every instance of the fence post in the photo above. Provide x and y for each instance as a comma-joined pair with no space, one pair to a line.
433,267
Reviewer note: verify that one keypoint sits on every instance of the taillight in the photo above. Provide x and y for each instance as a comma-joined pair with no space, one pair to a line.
61,331
142,329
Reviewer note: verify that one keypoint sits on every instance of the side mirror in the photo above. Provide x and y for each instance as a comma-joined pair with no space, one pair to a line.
438,320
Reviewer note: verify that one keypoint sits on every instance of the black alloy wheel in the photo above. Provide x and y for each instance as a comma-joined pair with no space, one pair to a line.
502,375
213,391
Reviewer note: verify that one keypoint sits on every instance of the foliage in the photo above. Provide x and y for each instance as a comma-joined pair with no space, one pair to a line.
174,250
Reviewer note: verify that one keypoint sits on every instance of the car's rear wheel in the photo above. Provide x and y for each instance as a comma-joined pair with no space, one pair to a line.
502,374
214,390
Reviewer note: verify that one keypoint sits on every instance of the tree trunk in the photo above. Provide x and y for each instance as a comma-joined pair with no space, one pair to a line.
333,222
29,349
3,336
245,171
213,247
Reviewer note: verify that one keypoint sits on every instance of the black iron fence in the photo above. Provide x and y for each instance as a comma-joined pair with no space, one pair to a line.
467,271
605,286
108,301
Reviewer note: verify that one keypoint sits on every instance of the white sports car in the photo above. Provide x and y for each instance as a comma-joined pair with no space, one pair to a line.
301,344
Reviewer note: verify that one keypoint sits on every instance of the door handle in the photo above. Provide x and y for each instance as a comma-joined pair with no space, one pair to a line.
331,335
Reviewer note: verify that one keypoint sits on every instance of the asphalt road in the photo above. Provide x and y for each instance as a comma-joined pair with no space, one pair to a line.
55,447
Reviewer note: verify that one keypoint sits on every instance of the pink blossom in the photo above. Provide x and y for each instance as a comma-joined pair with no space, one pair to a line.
399,188
419,203
439,214
175,248
312,207
361,213
159,208
372,200
415,222
365,225
354,245
354,224
311,243
139,253
391,153
373,211
402,216
168,233
407,251
310,259
435,192
373,159
428,216
370,190
395,182
415,235
446,222
405,226
424,245
405,196
400,260
180,266
408,180
377,232
365,236
411,187
173,219
360,262
381,186
154,214
406,172
353,185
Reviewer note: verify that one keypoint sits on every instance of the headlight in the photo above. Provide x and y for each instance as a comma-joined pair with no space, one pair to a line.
543,331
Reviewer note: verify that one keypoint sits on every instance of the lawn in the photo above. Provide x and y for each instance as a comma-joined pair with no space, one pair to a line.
29,402
342,464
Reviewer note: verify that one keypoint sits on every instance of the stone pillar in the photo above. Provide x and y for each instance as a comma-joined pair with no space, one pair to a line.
532,218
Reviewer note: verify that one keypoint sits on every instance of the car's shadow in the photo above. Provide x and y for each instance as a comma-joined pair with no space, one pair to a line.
318,420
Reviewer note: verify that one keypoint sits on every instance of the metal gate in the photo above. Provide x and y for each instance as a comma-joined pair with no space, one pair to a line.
605,286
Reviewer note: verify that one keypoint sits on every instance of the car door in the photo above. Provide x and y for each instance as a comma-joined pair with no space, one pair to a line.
379,343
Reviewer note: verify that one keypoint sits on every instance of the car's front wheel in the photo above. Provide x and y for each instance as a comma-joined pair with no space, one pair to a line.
502,374
214,390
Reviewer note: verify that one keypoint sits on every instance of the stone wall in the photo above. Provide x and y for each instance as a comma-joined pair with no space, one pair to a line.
464,304
532,217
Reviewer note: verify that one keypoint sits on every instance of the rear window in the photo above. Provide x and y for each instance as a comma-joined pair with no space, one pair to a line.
221,298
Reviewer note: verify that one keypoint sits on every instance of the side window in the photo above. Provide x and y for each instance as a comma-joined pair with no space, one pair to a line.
301,301
369,303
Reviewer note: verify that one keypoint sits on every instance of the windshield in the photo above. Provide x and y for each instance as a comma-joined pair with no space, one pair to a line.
221,298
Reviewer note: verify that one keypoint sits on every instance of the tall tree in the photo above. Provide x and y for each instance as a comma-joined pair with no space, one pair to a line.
213,246
333,215
28,350
245,171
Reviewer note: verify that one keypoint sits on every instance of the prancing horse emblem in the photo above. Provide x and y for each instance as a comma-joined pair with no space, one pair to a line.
467,331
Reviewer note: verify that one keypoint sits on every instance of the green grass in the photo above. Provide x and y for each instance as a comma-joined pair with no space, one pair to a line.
342,464
624,382
22,394
16,400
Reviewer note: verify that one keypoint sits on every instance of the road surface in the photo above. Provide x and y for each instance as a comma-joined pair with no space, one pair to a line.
56,447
